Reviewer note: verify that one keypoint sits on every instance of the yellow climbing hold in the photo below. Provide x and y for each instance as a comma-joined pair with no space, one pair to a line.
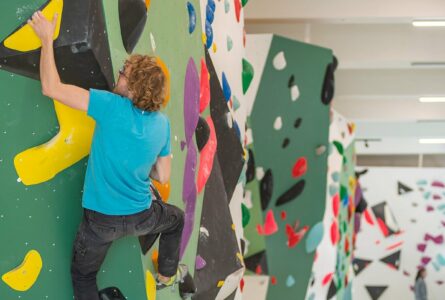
24,276
24,39
150,286
71,144
166,72
204,38
240,257
220,283
214,48
233,227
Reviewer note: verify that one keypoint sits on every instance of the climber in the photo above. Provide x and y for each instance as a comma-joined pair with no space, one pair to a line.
131,144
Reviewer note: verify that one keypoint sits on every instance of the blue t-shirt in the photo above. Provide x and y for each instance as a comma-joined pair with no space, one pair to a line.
126,143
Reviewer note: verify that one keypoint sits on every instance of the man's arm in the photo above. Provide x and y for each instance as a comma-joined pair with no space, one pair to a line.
69,95
162,169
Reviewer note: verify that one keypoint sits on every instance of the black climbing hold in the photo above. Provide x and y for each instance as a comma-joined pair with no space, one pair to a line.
202,133
291,81
266,189
297,122
132,18
292,193
250,172
285,143
111,293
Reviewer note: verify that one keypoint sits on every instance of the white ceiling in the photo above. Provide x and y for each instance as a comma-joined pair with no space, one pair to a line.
377,85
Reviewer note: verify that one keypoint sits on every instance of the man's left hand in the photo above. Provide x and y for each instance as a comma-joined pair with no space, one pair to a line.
42,27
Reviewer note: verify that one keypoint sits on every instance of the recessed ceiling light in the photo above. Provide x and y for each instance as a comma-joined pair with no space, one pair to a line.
429,23
431,99
432,141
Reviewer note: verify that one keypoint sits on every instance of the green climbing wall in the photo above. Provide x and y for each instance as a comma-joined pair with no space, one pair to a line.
45,216
279,140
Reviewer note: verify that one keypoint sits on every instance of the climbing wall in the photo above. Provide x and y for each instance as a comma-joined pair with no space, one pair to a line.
41,202
334,252
401,230
289,122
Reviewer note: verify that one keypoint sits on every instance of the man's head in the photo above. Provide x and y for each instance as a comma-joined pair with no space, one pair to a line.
143,81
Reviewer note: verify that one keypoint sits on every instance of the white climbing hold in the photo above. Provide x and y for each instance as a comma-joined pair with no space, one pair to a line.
278,123
279,61
294,93
259,172
153,43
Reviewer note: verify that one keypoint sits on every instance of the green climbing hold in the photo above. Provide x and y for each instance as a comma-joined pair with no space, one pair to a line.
229,43
339,147
226,6
244,2
246,214
247,75
236,103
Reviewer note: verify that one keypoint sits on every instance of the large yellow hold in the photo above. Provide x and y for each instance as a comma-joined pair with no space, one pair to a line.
150,285
71,144
24,39
24,276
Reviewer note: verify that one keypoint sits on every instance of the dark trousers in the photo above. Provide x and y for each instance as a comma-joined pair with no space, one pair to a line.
98,231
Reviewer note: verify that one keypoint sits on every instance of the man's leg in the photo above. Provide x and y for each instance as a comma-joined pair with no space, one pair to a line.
89,250
169,222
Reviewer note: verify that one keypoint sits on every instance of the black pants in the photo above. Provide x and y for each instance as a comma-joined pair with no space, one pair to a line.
98,231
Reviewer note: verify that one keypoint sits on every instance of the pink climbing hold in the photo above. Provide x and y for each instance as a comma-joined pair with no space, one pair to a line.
327,278
438,184
204,94
300,167
270,225
435,239
425,260
206,158
421,247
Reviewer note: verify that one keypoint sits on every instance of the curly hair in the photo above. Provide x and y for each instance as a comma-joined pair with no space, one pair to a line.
147,82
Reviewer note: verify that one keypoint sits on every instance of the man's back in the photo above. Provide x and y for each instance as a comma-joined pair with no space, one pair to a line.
126,144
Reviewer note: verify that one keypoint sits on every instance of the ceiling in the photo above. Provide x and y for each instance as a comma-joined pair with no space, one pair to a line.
385,64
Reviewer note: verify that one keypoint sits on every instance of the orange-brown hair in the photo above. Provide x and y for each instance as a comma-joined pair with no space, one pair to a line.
147,82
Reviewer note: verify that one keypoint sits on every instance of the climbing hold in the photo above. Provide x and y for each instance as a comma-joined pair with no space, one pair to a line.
132,20
166,72
292,193
291,81
290,281
237,10
210,15
154,259
270,225
226,87
339,147
192,17
294,93
250,172
147,4
300,167
266,189
207,157
202,133
279,61
226,6
314,237
244,2
163,189
236,103
214,48
285,143
208,34
220,283
229,43
320,150
335,233
293,237
278,123
24,276
248,74
327,278
71,144
211,4
335,204
24,38
245,214
200,263
204,93
298,122
150,285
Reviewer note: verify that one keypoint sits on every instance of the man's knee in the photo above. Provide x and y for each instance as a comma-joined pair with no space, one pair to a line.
179,213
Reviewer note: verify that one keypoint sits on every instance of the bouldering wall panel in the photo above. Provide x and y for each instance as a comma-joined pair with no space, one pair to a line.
45,216
289,121
328,251
386,264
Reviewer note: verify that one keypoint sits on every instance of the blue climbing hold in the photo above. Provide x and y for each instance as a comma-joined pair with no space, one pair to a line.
314,237
211,4
226,87
209,35
210,15
290,281
192,17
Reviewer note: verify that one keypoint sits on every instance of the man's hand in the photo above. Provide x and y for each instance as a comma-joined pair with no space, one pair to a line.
43,28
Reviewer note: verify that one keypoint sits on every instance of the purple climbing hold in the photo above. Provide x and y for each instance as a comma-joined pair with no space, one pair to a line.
200,263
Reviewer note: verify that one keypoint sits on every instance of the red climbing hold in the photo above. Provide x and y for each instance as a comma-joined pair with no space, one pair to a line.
204,95
336,204
300,167
283,215
238,10
273,280
335,234
258,270
293,238
241,284
206,158
368,217
270,225
327,278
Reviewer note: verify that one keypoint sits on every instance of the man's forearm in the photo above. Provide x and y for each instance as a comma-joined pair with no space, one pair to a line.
49,75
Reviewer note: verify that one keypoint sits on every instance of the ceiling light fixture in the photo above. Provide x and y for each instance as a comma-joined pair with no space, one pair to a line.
431,99
432,141
429,23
